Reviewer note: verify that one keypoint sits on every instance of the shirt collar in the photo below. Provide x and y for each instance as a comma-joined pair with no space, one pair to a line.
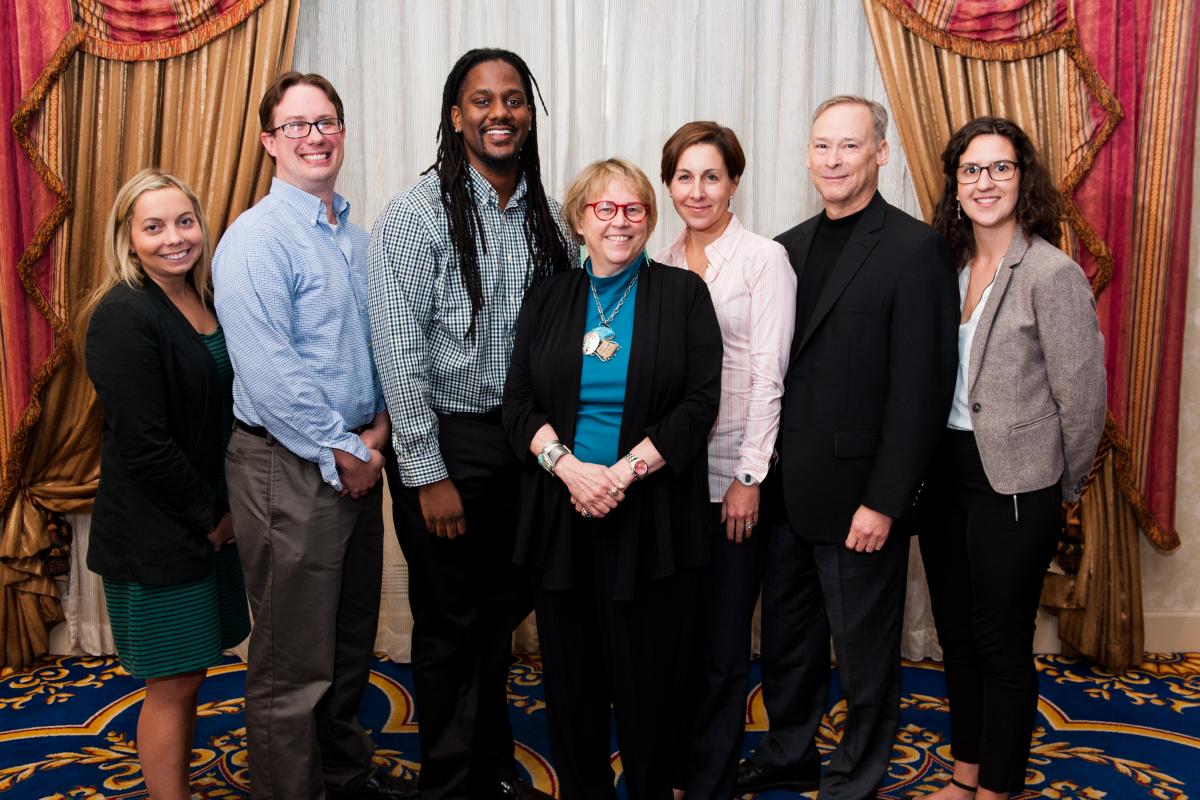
309,205
485,190
719,252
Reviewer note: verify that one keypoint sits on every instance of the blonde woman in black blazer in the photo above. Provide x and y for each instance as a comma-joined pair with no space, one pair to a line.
613,388
161,532
1027,415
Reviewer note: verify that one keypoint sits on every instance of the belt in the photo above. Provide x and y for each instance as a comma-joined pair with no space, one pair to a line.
253,430
263,433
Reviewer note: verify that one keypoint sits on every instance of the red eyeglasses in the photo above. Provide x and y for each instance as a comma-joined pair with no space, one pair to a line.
607,209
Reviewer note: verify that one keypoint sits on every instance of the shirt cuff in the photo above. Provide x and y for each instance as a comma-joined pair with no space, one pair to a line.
351,444
419,468
754,466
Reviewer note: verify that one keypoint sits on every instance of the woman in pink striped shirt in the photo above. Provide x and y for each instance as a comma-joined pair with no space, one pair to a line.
754,290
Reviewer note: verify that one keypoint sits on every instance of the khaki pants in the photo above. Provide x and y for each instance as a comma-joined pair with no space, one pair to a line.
313,564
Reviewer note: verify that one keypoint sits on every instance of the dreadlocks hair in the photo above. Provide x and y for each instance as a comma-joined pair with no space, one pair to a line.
548,252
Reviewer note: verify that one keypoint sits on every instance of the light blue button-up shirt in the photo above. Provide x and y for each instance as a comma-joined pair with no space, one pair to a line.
291,294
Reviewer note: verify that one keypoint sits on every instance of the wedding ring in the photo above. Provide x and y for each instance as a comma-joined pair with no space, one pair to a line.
586,513
749,526
613,492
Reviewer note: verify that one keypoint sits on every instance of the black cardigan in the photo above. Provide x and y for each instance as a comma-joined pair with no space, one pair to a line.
672,394
161,450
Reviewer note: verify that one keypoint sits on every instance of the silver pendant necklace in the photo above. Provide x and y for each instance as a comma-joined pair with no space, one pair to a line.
601,341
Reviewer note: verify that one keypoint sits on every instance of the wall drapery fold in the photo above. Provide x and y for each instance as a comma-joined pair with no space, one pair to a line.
194,115
30,296
1097,123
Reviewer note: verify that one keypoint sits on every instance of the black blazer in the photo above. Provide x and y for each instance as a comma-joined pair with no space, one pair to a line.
161,449
671,395
870,381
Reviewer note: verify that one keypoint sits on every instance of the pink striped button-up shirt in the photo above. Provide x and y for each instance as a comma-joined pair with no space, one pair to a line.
754,290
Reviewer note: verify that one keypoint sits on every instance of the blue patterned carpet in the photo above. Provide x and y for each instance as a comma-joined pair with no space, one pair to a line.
67,731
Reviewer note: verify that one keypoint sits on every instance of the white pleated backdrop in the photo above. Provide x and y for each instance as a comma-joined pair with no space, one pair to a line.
618,77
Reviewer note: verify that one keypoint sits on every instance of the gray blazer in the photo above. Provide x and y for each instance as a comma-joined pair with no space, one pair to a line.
1036,381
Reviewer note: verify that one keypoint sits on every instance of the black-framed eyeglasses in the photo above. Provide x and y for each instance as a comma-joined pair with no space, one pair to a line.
299,129
607,209
997,171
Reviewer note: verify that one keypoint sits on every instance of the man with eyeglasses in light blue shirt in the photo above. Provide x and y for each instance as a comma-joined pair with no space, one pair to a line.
304,461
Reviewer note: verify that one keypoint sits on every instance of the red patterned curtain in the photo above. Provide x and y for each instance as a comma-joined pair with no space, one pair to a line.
1138,195
93,100
35,204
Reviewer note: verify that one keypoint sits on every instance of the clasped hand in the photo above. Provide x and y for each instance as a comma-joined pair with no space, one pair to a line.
595,489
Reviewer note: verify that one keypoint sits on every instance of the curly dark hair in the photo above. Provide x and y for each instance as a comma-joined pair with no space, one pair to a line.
1039,203
548,251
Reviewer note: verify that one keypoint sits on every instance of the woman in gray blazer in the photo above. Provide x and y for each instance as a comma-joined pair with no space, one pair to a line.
1028,410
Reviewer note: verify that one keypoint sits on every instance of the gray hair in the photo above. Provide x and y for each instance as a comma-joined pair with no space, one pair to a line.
879,114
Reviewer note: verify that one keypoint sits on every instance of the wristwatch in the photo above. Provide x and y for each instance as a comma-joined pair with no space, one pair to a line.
638,466
746,479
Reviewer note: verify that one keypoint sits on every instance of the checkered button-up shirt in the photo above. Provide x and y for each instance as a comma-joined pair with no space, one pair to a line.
420,314
291,294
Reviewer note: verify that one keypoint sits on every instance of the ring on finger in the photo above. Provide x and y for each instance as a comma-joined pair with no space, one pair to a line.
613,492
586,513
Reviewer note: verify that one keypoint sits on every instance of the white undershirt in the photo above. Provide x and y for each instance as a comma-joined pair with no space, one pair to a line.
960,410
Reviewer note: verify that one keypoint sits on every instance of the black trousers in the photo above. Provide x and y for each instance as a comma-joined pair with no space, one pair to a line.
985,556
810,592
466,597
600,653
714,717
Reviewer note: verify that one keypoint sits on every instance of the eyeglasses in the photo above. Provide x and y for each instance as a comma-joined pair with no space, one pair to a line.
607,209
298,129
997,171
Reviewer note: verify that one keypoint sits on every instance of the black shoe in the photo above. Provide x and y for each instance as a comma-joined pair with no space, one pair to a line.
519,790
752,778
380,786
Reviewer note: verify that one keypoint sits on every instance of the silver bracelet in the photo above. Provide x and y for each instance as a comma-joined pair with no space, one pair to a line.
551,452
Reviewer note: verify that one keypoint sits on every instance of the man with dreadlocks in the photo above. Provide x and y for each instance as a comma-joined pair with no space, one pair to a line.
451,260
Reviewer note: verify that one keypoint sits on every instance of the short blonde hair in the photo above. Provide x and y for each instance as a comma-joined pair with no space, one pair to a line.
121,265
879,114
592,180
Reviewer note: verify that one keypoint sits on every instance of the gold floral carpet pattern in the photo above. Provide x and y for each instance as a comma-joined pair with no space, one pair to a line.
67,730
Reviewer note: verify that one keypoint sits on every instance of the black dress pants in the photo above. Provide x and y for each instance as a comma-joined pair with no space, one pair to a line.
985,556
467,597
714,716
628,655
812,591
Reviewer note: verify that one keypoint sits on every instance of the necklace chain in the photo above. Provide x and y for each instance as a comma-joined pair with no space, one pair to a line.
616,310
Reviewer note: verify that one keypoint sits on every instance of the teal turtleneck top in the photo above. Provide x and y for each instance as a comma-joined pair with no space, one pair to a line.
602,383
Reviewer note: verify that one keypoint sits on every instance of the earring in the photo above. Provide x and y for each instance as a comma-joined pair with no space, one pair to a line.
958,210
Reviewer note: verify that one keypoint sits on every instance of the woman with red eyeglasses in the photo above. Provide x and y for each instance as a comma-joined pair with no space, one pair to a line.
613,388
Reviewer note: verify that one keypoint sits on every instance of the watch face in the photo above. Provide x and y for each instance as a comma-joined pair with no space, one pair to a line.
640,468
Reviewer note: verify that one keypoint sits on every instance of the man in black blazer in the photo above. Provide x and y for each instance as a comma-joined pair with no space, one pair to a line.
867,393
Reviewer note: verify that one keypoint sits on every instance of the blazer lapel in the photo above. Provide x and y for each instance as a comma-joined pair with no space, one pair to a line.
800,249
860,245
569,361
1016,252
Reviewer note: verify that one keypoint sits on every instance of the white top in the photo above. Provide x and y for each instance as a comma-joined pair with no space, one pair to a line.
753,289
960,410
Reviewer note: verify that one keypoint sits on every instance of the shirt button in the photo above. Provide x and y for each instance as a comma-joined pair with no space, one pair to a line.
976,407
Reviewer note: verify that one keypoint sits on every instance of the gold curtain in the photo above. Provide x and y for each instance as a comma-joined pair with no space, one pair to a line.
1046,86
1100,607
194,115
